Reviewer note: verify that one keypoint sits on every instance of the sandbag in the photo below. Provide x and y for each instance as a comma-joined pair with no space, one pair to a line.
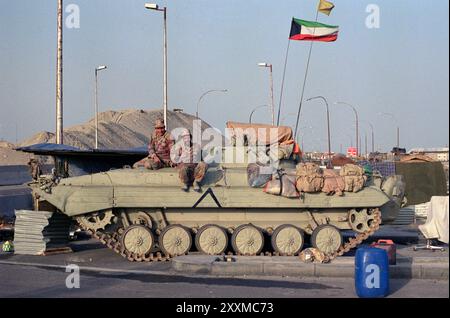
353,177
333,183
309,178
256,177
282,184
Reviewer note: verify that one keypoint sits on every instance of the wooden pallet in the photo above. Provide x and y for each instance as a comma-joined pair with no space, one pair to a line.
57,250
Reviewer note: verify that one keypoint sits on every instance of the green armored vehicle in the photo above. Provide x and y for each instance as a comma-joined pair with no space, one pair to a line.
144,216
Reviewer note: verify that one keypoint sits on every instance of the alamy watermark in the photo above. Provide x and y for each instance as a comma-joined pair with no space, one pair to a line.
373,19
73,17
73,279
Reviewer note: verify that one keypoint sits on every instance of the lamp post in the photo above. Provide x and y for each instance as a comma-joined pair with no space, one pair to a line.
396,122
328,124
153,6
201,97
358,145
98,69
373,134
59,77
254,110
267,65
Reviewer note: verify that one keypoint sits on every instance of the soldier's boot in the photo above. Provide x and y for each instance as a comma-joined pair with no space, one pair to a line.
197,187
185,187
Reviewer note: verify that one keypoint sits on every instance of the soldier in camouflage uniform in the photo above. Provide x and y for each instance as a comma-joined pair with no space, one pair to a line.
159,148
187,156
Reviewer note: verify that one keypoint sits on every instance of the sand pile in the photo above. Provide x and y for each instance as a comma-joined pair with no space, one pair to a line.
117,129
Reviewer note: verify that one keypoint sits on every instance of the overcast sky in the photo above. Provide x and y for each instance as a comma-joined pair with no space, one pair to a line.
399,68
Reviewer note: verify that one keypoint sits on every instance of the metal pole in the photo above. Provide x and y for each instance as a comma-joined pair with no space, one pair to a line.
365,144
282,82
329,134
201,97
373,137
358,144
305,78
398,137
253,111
165,70
59,77
96,108
328,124
271,95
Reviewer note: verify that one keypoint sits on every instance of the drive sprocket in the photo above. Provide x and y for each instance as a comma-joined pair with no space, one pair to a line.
96,221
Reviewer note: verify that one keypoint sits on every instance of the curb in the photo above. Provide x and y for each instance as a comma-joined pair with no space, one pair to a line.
424,268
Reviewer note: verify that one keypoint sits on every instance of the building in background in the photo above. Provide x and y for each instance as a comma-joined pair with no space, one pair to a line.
438,154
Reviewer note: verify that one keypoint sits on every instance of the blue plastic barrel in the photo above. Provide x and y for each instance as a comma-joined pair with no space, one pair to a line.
371,273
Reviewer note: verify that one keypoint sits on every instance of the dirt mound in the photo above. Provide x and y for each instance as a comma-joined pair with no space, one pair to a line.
117,129
5,144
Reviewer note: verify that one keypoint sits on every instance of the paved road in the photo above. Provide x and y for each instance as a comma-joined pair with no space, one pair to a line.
29,281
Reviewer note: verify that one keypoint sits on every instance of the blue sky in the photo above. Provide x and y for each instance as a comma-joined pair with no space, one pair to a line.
400,68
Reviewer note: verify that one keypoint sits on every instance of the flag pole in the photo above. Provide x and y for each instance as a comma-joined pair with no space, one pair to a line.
282,82
305,79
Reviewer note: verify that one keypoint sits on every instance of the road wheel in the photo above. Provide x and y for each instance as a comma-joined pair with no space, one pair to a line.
327,238
247,240
361,219
138,240
287,240
211,240
175,240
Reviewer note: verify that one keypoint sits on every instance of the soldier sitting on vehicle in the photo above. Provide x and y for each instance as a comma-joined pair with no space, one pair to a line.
187,156
159,148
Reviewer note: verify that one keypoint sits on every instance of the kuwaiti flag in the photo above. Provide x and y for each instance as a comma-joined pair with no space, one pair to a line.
302,30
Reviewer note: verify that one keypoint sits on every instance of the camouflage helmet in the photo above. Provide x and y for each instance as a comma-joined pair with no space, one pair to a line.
159,123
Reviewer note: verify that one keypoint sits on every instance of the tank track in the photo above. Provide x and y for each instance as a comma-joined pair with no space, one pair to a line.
112,241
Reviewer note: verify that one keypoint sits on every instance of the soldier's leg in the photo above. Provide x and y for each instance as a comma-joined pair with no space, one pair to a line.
199,175
140,163
200,171
183,175
152,164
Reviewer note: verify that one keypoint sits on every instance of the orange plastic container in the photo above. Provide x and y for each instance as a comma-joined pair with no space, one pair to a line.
390,248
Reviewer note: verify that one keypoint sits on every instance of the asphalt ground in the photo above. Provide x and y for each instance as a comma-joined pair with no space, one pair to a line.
36,281
105,274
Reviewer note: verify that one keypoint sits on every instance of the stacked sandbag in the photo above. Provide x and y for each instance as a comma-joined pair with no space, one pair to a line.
333,183
282,184
35,232
309,178
353,177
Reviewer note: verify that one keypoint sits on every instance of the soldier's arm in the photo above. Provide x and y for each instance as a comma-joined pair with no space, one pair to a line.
151,148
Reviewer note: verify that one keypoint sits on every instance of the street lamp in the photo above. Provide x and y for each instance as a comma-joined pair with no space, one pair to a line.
98,69
328,124
373,134
201,97
267,65
358,146
254,110
396,122
153,6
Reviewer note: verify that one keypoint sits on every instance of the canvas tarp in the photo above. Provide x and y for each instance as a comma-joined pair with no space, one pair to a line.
260,133
423,180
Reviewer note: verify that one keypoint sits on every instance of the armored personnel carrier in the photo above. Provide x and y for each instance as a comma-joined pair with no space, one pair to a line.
144,216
